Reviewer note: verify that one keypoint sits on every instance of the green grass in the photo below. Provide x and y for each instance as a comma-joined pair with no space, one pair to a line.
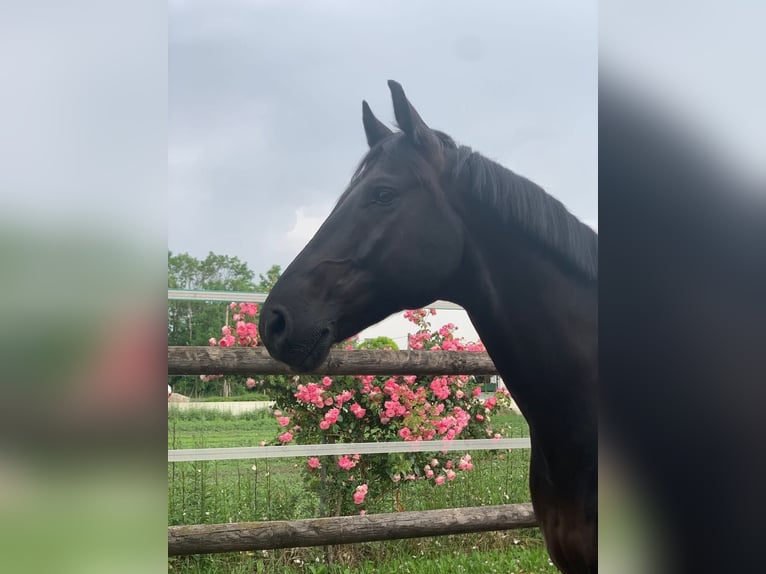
509,553
271,489
238,398
213,430
201,413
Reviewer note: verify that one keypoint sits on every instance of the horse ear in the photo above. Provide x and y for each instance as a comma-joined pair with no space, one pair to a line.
373,127
408,119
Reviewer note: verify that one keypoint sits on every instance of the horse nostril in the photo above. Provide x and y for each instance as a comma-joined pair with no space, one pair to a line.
278,323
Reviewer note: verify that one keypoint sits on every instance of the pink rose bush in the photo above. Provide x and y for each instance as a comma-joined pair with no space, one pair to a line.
314,410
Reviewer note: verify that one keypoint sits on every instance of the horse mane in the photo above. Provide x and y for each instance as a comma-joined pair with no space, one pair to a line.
515,199
524,204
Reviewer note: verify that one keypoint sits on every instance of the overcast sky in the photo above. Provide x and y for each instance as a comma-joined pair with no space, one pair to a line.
265,105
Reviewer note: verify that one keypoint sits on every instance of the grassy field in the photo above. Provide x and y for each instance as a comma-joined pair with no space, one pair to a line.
255,490
236,398
199,428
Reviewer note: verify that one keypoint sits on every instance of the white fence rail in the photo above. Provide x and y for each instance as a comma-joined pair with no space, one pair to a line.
244,297
288,451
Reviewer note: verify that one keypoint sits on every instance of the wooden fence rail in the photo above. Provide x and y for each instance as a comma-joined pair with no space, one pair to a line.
256,361
214,538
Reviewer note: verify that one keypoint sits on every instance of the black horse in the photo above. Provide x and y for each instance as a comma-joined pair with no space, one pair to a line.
425,219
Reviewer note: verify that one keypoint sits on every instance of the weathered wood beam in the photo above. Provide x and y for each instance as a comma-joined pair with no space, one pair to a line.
257,361
214,538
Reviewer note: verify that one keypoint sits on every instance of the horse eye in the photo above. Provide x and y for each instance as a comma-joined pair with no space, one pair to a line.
383,196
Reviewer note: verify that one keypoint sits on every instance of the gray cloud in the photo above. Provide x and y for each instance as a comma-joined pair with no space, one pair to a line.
265,105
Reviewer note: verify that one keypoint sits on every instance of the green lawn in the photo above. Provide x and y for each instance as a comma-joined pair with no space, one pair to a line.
505,553
248,397
219,430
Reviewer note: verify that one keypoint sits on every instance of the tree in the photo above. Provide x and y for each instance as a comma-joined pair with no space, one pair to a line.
267,283
379,343
195,322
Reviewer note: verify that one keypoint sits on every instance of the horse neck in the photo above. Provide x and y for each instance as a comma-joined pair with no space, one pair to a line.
539,325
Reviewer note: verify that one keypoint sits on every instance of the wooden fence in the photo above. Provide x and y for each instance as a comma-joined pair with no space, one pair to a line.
212,538
256,361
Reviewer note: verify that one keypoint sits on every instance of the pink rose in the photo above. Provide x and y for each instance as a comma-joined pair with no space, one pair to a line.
360,494
357,410
331,416
346,463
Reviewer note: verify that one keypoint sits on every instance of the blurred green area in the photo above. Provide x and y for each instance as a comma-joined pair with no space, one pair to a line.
76,518
82,346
